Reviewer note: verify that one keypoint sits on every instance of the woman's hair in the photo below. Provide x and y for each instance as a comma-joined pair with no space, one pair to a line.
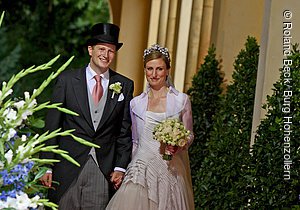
155,52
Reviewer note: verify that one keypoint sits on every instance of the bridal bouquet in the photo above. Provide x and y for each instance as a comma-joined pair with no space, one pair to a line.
171,132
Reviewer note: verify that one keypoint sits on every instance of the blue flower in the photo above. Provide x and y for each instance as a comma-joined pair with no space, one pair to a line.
15,179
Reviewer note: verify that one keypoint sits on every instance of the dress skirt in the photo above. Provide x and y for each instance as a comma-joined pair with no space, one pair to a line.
151,183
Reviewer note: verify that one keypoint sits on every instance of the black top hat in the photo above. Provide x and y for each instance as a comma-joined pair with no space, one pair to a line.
105,33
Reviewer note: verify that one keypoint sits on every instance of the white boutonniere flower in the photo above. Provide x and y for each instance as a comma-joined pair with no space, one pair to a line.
116,88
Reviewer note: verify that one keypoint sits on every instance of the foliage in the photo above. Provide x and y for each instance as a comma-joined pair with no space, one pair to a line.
275,146
205,97
10,56
222,181
36,30
20,167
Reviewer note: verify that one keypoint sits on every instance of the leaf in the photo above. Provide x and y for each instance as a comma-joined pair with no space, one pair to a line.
37,123
41,172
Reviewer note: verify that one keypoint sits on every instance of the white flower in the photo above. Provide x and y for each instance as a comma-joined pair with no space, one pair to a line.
182,142
24,202
23,138
21,150
10,203
19,104
8,155
34,201
21,202
1,165
2,204
116,88
11,133
19,122
25,114
32,103
27,96
10,114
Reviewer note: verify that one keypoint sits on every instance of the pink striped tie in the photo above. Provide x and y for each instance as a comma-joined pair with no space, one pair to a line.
97,90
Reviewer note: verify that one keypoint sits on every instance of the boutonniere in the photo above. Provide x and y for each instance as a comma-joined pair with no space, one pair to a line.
116,88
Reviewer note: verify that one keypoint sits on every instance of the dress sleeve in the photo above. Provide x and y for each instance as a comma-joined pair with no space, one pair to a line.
187,118
134,130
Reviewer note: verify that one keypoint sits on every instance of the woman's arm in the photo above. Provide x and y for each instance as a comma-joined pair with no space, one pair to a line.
135,140
187,119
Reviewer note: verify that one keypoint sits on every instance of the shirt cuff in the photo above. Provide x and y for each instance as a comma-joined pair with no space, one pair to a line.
49,171
119,169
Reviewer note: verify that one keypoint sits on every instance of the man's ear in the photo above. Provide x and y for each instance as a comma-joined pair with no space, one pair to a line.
90,49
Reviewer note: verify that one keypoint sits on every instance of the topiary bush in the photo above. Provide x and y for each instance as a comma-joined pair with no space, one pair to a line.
222,178
275,164
205,96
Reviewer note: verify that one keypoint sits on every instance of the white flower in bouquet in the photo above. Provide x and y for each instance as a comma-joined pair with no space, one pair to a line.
171,132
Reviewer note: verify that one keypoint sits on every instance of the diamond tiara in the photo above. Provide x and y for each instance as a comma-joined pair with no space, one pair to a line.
156,47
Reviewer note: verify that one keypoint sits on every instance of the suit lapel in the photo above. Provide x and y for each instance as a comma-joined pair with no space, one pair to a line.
110,102
80,91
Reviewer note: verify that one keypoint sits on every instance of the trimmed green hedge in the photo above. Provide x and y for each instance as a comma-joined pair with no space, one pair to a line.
205,96
221,182
275,165
225,174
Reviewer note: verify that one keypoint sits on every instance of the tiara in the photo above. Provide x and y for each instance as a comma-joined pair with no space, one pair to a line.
156,47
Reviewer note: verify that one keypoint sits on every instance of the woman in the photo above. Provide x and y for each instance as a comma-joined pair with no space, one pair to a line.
150,181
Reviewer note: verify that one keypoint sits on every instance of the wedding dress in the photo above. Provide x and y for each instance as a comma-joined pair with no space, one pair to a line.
151,183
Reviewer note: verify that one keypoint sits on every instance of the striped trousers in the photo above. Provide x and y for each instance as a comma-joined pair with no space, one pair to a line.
90,191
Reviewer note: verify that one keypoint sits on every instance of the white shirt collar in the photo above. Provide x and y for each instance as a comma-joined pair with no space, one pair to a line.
91,73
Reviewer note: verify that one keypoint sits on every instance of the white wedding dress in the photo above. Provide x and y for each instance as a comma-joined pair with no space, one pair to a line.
152,183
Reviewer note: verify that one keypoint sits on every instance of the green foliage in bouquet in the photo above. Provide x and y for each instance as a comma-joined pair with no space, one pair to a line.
20,167
275,164
222,177
205,99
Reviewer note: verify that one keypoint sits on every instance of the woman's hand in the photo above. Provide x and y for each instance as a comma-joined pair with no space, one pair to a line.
172,149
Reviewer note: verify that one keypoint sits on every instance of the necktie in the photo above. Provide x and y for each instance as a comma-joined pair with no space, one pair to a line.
97,90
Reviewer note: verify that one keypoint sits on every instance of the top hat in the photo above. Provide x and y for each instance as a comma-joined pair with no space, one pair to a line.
105,33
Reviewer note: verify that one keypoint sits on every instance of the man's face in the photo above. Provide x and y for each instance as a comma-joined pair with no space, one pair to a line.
102,55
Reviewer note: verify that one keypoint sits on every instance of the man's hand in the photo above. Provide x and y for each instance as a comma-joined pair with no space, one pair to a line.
46,179
116,178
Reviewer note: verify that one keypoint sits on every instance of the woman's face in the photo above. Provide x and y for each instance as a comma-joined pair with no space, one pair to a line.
156,73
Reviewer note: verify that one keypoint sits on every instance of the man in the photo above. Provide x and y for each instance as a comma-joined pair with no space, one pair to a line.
104,119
